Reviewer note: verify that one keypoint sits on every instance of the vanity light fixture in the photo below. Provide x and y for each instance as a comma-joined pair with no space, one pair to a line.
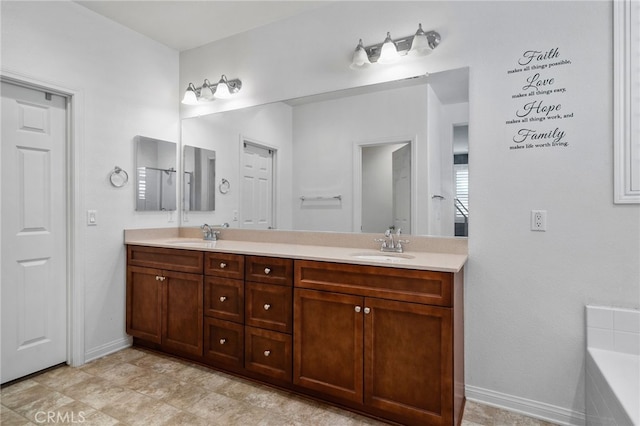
207,92
389,51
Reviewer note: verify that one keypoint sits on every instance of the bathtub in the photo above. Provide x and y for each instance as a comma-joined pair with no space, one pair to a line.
613,366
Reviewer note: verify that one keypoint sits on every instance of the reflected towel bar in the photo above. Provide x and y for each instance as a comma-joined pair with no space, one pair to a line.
334,197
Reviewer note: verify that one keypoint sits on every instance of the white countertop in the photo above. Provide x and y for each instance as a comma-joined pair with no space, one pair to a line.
432,261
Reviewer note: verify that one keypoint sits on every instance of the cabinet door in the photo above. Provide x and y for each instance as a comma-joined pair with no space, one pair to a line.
182,316
328,343
409,361
144,303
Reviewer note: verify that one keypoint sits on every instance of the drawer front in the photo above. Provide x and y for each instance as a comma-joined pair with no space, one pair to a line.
166,259
270,270
407,285
224,299
224,265
269,306
223,342
268,352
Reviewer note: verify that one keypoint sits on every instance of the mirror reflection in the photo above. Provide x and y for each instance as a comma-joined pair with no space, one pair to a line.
156,179
328,173
199,177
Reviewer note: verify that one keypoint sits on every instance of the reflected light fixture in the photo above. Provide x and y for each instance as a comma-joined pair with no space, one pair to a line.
389,51
208,92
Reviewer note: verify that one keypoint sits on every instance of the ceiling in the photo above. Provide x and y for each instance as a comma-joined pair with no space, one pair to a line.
186,24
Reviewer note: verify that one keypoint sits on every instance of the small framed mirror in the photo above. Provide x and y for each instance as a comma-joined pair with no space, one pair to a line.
156,176
199,177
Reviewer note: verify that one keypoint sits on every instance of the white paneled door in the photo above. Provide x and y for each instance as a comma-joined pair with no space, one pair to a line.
256,208
33,230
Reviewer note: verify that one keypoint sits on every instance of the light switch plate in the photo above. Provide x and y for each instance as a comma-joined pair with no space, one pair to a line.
92,217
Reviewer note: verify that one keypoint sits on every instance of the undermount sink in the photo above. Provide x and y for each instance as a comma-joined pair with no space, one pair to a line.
382,256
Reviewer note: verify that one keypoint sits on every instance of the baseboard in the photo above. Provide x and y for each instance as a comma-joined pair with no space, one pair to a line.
527,407
107,348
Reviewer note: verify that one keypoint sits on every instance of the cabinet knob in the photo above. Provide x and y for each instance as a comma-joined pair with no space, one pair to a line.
267,271
267,353
267,306
223,298
358,308
223,265
160,278
223,341
367,310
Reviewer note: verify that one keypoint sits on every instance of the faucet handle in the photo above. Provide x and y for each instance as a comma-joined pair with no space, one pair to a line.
381,240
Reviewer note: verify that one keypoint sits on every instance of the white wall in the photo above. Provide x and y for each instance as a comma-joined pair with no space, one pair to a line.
127,86
525,291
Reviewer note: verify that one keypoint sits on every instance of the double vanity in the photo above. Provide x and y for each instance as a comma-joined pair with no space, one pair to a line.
325,315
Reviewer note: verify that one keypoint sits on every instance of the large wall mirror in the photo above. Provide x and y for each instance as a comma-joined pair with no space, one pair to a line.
357,160
199,179
156,179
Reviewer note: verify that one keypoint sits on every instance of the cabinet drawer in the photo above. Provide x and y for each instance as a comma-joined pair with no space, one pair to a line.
269,306
271,270
268,352
224,342
224,265
408,285
224,299
166,259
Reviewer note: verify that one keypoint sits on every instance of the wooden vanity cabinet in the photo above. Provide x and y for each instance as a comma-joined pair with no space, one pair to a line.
383,341
374,346
164,306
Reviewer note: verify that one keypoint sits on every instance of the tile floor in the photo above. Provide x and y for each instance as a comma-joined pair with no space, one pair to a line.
136,387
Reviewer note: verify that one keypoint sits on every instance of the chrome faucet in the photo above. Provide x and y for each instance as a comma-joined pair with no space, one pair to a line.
208,233
391,245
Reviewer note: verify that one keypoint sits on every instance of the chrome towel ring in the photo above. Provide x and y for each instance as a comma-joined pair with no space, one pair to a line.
118,177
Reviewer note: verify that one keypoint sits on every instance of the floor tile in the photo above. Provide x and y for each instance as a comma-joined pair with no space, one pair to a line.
138,387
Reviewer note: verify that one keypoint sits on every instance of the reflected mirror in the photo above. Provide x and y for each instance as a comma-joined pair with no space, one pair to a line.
155,174
199,177
323,177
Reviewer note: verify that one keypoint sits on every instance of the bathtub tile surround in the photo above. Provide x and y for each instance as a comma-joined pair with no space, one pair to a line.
166,391
612,366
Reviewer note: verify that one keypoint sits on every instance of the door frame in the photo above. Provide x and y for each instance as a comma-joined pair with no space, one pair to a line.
357,176
74,243
274,175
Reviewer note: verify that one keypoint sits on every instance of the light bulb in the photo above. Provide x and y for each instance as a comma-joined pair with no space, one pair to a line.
360,57
206,93
190,97
388,53
420,43
222,89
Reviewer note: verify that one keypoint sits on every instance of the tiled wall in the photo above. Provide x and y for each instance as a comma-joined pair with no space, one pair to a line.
613,329
612,366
